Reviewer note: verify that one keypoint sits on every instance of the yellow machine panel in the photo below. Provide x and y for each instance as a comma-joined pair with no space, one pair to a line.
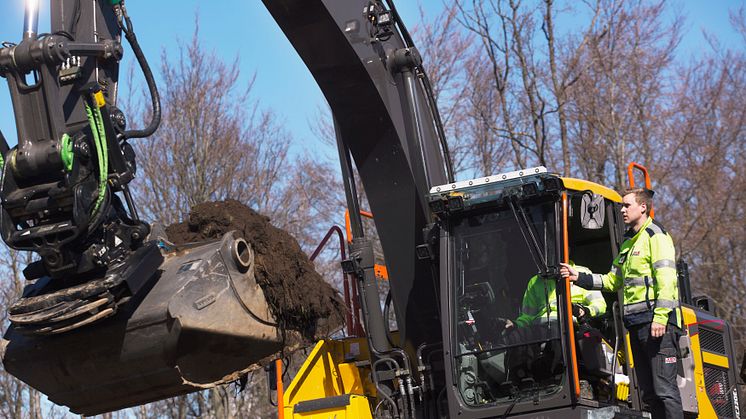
348,407
706,409
332,383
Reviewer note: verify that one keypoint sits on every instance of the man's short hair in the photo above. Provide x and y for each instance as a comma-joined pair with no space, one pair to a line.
642,196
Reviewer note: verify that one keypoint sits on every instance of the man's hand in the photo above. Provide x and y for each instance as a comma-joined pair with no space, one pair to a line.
567,271
578,311
657,330
508,328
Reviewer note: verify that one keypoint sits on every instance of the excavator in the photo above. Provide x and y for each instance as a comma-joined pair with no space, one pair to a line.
113,315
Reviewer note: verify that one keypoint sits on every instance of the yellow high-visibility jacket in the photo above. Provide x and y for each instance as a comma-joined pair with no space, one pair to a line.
646,268
539,290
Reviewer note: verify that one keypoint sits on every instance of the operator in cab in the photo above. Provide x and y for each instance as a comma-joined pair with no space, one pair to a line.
645,268
540,301
539,310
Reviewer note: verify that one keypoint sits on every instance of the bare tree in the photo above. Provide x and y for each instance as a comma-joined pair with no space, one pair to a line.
520,84
621,102
707,198
214,141
446,49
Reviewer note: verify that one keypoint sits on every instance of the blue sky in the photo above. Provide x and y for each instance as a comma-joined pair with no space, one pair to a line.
245,29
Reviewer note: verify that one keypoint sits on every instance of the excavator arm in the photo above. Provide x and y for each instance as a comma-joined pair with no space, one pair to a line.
373,79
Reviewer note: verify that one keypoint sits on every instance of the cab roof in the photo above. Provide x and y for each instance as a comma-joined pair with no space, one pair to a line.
585,185
569,183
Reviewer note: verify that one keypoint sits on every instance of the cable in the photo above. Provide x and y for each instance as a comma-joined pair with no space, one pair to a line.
126,25
428,93
439,126
99,154
386,313
246,308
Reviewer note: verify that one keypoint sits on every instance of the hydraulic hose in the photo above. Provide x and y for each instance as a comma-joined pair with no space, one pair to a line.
126,25
101,152
380,389
428,93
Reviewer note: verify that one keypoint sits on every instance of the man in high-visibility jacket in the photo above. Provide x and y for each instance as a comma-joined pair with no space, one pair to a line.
540,292
645,268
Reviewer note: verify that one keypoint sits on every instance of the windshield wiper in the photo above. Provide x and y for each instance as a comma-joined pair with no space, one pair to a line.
529,237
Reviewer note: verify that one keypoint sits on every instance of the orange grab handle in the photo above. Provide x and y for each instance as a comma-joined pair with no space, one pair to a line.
631,177
631,174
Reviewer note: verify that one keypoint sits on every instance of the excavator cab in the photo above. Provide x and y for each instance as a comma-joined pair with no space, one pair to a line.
501,241
489,290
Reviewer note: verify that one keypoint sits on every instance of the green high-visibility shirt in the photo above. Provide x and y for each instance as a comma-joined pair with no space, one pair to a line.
646,269
539,292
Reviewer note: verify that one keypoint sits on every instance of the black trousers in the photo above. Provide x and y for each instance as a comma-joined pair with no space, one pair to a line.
656,367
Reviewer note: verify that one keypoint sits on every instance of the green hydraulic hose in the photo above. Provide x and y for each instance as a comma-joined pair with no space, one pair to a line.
104,144
99,153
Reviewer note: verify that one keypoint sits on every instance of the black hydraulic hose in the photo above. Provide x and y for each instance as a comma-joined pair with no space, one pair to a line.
426,389
129,33
348,179
386,314
403,29
405,386
428,92
378,385
438,126
439,403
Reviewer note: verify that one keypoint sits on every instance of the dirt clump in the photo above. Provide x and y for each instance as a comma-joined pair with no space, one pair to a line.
298,296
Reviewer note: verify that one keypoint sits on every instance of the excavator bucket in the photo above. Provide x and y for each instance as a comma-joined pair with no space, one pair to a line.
198,320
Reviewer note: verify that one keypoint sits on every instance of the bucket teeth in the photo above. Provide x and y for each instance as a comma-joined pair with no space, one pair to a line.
72,294
41,315
65,316
87,320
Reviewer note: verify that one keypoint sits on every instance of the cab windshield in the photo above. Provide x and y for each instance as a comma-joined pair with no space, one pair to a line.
507,330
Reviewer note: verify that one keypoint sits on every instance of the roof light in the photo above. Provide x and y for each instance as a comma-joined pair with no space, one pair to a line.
450,187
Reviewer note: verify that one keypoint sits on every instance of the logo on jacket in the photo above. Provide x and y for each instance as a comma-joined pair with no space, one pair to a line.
636,253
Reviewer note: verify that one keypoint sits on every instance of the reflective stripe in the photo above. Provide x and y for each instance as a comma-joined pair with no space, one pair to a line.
635,308
598,282
643,306
544,319
634,282
653,229
666,303
591,296
664,263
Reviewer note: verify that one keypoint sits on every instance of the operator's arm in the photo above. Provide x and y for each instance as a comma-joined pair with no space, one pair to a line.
662,259
595,303
529,308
